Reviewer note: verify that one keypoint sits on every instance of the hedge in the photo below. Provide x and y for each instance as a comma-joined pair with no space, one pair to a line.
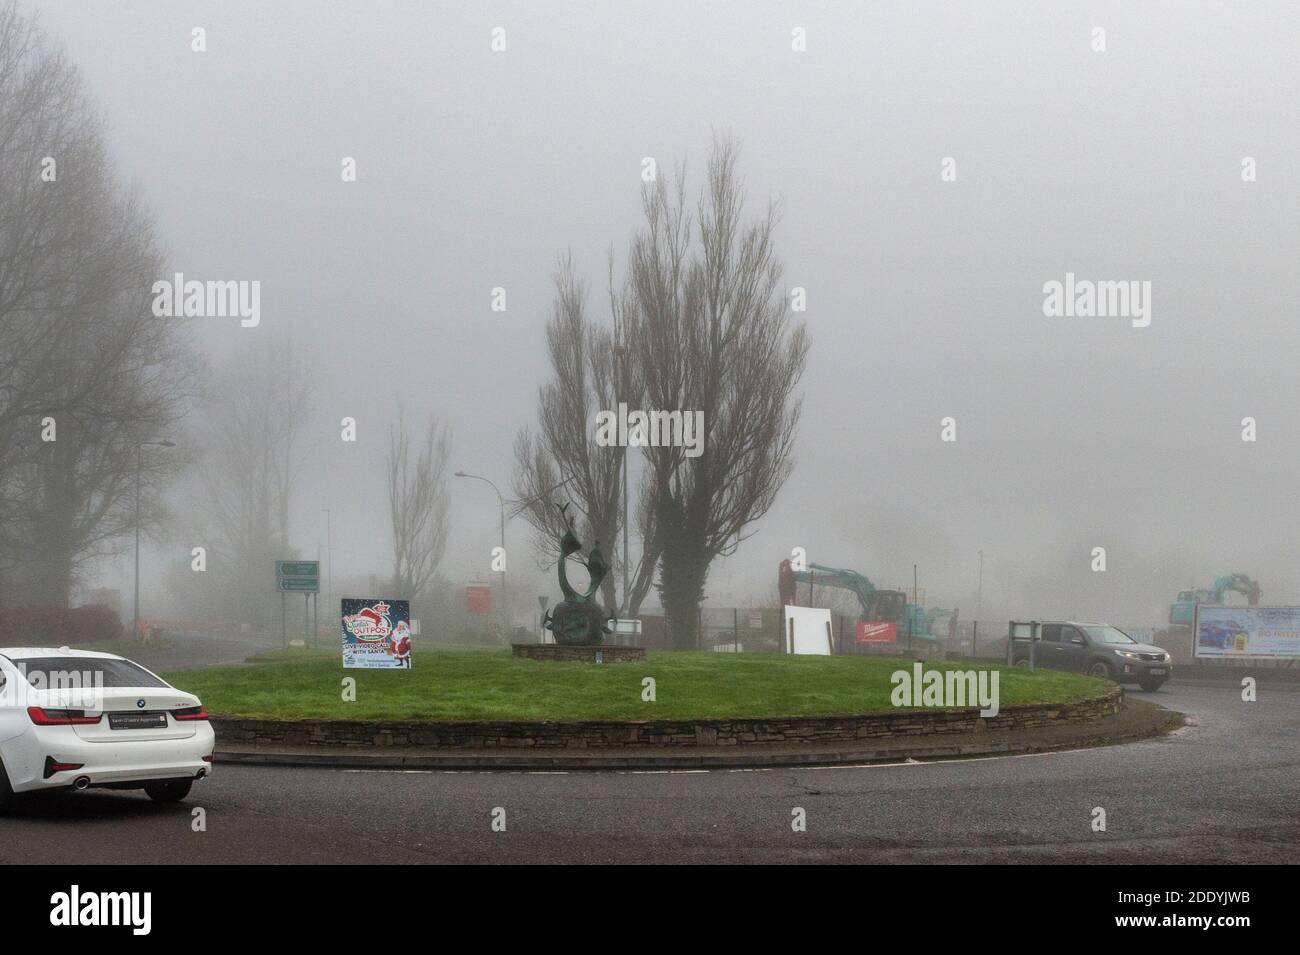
57,626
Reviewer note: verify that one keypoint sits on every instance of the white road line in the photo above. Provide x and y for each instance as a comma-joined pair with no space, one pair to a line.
941,760
661,772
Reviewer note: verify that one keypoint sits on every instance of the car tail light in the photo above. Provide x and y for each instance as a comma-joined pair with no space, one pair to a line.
192,713
44,717
207,758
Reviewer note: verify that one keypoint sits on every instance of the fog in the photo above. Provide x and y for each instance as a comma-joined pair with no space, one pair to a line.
477,169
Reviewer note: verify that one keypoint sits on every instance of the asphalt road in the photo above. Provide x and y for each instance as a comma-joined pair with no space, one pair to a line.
1225,789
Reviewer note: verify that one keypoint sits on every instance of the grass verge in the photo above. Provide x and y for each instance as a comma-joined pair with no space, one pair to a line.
493,685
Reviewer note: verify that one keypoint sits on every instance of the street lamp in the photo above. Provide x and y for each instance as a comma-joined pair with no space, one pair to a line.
502,502
621,353
329,557
139,466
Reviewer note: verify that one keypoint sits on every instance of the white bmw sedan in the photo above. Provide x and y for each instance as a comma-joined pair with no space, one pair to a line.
72,719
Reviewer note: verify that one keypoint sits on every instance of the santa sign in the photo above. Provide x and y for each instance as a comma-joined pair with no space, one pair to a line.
376,633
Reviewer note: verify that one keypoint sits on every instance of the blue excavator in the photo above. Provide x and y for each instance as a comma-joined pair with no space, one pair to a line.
1182,612
886,618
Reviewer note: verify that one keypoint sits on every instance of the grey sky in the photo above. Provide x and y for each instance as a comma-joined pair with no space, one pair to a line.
924,298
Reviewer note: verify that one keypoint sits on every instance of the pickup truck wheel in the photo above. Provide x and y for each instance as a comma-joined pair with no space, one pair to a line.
1101,670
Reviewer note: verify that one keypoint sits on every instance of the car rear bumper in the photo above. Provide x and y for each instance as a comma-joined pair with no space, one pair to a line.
109,763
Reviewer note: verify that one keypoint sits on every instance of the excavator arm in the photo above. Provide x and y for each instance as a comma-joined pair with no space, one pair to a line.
876,605
1237,583
821,575
1183,611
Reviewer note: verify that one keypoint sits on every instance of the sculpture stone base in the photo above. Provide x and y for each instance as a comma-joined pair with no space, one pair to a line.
602,653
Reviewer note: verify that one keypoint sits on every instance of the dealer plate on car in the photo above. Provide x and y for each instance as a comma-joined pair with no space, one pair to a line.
1158,672
136,721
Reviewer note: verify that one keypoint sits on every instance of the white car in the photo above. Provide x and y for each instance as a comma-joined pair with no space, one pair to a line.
72,719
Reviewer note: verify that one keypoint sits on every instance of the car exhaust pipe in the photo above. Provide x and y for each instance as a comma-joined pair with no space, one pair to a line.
200,774
80,783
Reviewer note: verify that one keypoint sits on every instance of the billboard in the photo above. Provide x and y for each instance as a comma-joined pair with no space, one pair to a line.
1246,633
876,631
478,599
376,633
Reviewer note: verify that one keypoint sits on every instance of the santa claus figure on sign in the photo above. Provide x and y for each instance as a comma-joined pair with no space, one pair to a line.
399,643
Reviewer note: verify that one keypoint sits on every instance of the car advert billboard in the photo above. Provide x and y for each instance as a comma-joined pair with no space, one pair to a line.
376,633
1251,633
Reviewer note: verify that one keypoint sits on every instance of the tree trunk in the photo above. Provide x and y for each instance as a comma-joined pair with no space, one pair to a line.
684,571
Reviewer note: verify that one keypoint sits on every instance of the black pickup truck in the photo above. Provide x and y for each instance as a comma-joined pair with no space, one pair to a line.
1097,649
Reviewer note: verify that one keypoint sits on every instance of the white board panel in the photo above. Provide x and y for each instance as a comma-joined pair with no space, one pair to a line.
808,631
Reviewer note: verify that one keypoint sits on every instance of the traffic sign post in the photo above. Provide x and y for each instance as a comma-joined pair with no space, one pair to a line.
299,585
298,577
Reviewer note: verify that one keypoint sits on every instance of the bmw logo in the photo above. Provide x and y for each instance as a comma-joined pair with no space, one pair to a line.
139,704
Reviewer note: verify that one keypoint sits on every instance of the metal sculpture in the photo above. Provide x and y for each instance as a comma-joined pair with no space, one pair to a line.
578,620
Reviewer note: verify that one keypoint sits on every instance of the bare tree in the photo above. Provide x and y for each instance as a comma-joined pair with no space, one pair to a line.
418,504
593,371
258,407
82,358
710,327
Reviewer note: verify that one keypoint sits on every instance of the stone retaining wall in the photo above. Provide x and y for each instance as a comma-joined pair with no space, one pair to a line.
581,735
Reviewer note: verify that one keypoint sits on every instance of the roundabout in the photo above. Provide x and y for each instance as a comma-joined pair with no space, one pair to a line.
485,709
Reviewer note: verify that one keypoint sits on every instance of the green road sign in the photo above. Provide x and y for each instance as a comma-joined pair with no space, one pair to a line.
297,568
306,585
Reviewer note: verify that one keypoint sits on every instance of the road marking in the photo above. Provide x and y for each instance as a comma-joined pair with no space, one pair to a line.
661,772
941,760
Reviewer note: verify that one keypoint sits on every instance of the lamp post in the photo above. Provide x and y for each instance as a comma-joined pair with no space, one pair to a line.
139,466
621,352
329,558
502,502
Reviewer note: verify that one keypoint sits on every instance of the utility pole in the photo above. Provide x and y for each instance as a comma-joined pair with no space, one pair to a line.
626,593
620,352
329,556
912,612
